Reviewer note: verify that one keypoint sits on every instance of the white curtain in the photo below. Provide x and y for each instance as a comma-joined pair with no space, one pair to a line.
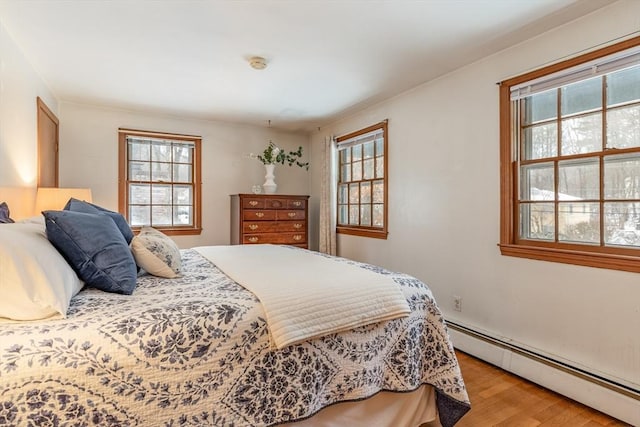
327,241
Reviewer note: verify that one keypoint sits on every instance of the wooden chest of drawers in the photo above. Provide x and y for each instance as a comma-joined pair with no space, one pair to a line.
269,218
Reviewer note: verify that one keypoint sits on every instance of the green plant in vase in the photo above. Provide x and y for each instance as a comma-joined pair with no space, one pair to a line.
273,155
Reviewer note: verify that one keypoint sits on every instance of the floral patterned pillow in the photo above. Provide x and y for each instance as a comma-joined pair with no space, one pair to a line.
156,253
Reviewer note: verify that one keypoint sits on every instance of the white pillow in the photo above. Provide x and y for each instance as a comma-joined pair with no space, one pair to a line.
35,280
156,253
39,219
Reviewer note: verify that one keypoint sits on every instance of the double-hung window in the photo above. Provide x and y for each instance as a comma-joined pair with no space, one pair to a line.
160,181
570,160
362,182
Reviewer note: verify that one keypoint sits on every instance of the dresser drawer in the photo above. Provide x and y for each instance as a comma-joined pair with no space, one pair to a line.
275,203
286,215
296,204
278,238
257,215
253,203
273,226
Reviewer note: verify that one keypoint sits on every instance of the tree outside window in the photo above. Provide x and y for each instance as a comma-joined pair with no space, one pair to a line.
570,160
362,182
160,181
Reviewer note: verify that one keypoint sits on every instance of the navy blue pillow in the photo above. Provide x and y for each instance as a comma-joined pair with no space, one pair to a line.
76,205
4,214
94,247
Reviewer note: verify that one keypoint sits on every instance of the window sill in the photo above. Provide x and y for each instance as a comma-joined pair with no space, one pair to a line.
362,232
575,257
174,231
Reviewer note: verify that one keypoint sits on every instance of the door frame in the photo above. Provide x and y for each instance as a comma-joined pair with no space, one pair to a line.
47,117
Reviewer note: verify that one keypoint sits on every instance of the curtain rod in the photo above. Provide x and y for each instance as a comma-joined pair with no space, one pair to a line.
574,54
156,134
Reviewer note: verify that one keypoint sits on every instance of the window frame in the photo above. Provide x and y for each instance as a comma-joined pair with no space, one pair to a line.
616,258
123,182
361,230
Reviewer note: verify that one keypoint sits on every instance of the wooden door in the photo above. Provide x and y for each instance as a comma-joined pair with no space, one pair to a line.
48,132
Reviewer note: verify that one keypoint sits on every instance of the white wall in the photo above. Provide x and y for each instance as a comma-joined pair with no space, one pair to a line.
89,158
20,85
444,212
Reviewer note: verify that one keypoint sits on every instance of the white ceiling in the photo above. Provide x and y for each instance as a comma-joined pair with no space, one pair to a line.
325,57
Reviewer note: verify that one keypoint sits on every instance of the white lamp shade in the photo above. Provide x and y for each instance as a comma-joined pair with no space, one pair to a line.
51,198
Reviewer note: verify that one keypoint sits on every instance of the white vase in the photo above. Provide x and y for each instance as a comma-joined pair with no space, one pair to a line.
269,185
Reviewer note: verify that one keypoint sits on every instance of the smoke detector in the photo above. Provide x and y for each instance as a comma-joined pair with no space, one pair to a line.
258,63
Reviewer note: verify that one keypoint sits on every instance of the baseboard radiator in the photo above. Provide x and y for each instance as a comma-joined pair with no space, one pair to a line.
618,400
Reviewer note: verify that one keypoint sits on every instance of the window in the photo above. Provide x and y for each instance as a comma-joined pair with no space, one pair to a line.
159,181
570,160
362,182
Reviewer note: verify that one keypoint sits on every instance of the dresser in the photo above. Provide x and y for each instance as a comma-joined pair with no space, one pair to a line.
269,218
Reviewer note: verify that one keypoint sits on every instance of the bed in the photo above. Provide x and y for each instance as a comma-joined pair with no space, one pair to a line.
196,350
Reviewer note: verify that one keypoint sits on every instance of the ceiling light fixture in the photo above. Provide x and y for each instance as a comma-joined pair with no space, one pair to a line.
258,63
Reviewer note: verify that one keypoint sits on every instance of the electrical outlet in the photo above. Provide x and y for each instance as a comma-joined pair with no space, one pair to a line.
457,303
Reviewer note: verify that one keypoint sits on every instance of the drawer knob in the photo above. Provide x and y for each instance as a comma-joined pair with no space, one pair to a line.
291,214
297,237
253,226
259,214
297,225
297,203
252,239
253,203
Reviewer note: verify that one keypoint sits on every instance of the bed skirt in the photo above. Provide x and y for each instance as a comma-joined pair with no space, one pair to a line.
384,409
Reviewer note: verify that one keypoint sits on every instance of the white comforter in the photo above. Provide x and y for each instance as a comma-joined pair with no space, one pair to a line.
308,296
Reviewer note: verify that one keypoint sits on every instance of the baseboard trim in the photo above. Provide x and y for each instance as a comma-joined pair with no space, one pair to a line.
618,400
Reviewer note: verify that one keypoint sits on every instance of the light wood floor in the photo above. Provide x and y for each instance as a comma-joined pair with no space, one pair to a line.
499,398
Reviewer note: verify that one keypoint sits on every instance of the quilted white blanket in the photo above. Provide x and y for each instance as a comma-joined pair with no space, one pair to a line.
308,296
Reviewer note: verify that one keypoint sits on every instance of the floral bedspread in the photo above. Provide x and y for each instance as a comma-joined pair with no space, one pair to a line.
195,351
